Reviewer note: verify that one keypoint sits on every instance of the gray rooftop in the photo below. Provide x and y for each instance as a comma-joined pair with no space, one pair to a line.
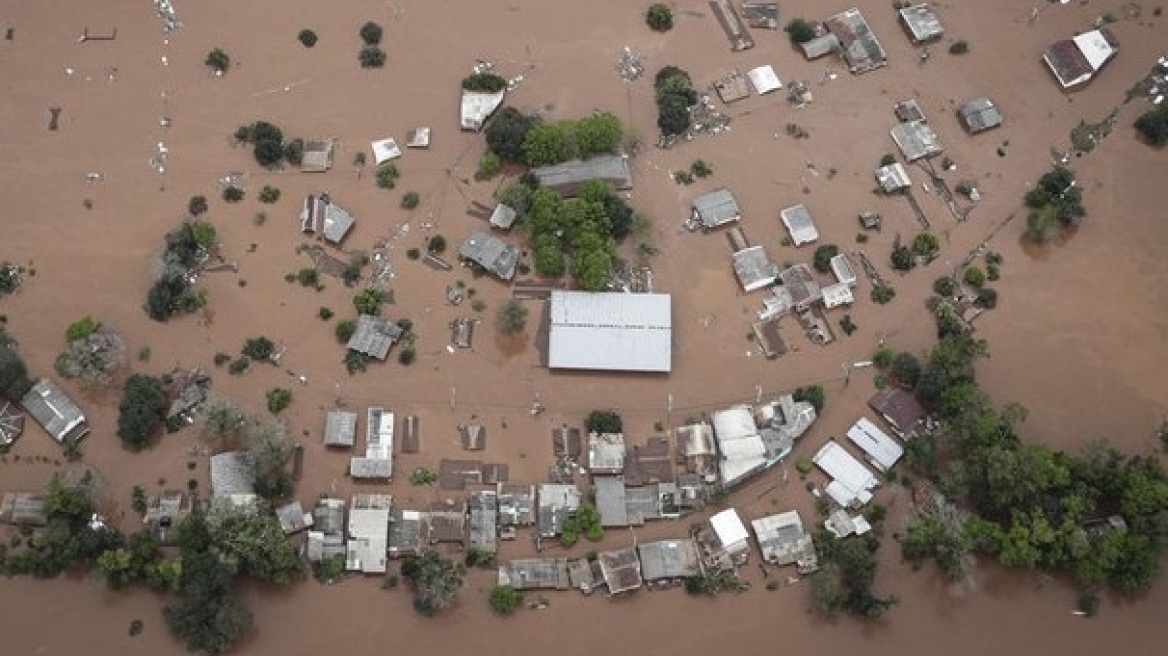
363,467
567,178
54,411
484,520
493,254
782,540
556,503
320,215
340,428
503,217
11,423
754,268
621,569
293,518
799,223
611,501
980,114
23,508
516,504
716,208
232,473
405,532
893,177
916,140
821,46
606,453
329,516
922,23
669,559
862,49
374,336
535,574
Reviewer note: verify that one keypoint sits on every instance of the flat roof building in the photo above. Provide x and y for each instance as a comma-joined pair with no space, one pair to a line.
716,208
503,217
483,507
922,23
669,559
610,331
753,268
799,224
979,115
916,140
61,418
782,540
368,541
496,256
862,50
340,428
567,178
612,501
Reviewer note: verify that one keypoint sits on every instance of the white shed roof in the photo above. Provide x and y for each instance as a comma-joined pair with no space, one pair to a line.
1095,48
798,221
837,295
611,331
837,463
729,528
385,150
882,450
764,79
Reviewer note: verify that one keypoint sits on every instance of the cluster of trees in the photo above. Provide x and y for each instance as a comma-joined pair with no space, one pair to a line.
1153,126
1032,506
93,352
218,60
268,144
484,82
675,95
800,30
846,575
512,317
436,581
584,521
1055,202
14,380
711,584
584,229
226,427
142,411
526,139
604,421
186,247
822,257
505,599
371,54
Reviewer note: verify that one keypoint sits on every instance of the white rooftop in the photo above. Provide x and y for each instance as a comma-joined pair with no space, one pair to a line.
729,528
611,331
883,451
1095,48
385,150
477,106
798,221
846,470
740,445
837,295
764,79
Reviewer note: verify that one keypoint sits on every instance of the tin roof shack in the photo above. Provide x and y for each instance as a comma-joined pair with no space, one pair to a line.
566,443
611,331
821,46
1075,61
368,541
584,575
612,501
916,140
862,50
736,32
327,538
567,178
893,178
418,138
769,337
723,542
293,519
732,87
23,509
503,217
900,409
377,463
340,429
11,424
606,453
753,268
535,574
484,521
188,388
473,436
374,336
649,463
761,15
840,524
407,530
921,23
232,474
842,269
882,450
979,115
556,503
715,209
667,560
318,156
164,514
782,541
517,508
496,256
320,215
697,451
852,483
908,110
621,570
61,418
764,79
797,219
478,106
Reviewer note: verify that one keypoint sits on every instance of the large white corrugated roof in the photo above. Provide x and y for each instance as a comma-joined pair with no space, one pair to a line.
611,331
842,466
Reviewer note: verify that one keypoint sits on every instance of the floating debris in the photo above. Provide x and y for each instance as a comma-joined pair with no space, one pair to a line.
629,66
169,16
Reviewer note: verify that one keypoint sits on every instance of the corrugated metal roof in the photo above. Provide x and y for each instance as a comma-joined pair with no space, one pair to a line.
611,331
799,223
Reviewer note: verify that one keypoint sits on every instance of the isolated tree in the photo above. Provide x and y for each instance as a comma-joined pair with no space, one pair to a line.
505,599
197,205
368,301
823,255
512,317
371,33
307,38
659,17
800,31
371,57
278,399
218,60
507,132
1153,126
142,410
604,421
598,133
926,244
902,259
436,244
14,380
258,348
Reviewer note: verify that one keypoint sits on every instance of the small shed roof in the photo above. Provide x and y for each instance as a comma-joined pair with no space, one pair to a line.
799,224
908,110
493,254
566,443
764,79
716,208
340,428
568,177
232,473
837,295
821,46
922,23
979,115
916,140
363,467
761,15
385,150
893,177
669,559
418,138
374,336
503,217
843,270
883,451
477,106
11,423
61,418
621,570
754,268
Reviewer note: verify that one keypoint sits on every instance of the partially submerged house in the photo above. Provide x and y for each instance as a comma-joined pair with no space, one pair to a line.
11,423
852,483
861,48
764,79
840,524
187,389
715,209
374,336
473,435
478,106
697,449
418,137
723,542
732,25
340,429
916,140
797,219
900,409
610,331
761,15
882,450
837,295
567,178
566,443
165,512
368,543
320,215
483,508
821,46
407,533
496,256
893,178
669,560
842,269
535,574
922,23
326,540
385,150
61,418
1075,61
621,569
503,217
783,541
612,501
23,509
517,508
557,502
606,453
318,155
732,87
292,518
649,463
233,474
754,268
739,444
979,114
377,463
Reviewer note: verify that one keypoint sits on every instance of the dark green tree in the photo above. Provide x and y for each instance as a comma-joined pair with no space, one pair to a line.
659,18
604,421
800,31
371,33
507,132
142,410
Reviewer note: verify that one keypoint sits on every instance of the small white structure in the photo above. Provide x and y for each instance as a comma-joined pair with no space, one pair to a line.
478,106
731,532
893,178
799,224
385,150
366,548
1075,61
852,483
882,450
841,525
844,272
418,138
837,295
764,79
740,445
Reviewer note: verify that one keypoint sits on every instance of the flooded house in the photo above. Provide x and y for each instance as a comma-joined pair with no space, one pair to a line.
669,560
621,570
321,216
535,574
368,542
1075,61
568,177
50,407
921,23
799,224
783,541
723,542
901,410
861,48
557,502
851,483
606,453
483,508
377,463
715,209
374,336
340,429
326,538
979,115
517,508
495,256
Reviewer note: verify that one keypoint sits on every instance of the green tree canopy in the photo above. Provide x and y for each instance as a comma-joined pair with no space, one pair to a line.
142,410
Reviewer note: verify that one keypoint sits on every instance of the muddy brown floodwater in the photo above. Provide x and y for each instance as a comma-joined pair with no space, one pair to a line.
1078,336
